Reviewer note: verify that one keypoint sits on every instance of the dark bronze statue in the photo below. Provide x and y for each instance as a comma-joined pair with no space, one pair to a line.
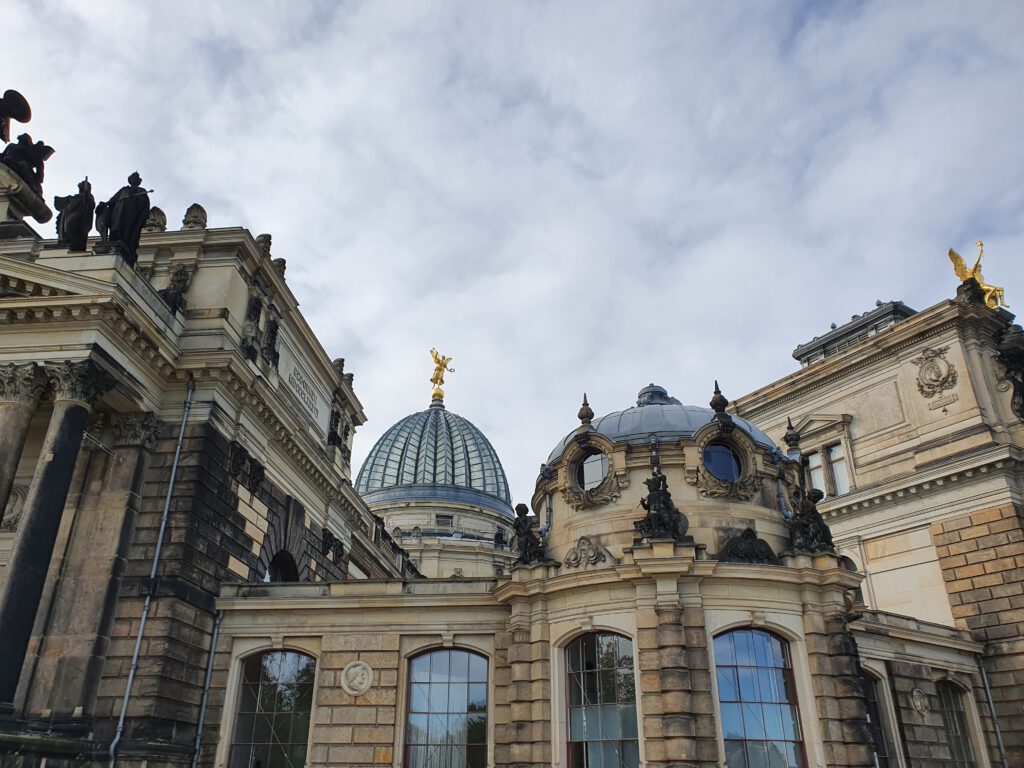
120,220
13,106
747,548
528,543
26,159
74,217
663,520
808,531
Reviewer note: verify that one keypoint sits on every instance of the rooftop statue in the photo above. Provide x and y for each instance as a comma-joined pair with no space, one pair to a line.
74,217
808,531
26,159
663,520
528,543
993,294
440,366
120,220
13,106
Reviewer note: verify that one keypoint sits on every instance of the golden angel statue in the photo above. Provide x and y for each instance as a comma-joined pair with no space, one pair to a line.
440,366
993,293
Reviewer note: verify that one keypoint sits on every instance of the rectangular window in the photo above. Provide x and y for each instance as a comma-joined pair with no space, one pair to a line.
444,521
827,470
958,738
816,472
837,465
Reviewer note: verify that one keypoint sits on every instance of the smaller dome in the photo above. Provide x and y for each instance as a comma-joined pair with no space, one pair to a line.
657,413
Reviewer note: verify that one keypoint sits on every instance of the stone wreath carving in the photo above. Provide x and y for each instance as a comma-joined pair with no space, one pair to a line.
711,487
586,552
935,374
356,678
608,491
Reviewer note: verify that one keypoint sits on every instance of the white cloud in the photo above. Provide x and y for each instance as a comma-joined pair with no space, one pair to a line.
564,196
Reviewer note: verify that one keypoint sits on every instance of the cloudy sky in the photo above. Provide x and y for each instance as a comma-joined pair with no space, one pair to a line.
563,196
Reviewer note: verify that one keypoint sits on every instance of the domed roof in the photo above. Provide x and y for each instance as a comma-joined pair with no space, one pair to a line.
657,413
434,455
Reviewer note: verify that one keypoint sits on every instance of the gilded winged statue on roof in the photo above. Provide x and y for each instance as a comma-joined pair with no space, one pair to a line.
993,293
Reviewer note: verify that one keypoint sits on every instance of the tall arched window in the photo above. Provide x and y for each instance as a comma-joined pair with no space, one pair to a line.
958,737
757,697
876,722
602,702
447,711
272,725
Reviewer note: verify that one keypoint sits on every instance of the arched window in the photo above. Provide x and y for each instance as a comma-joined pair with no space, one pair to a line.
282,568
602,702
760,720
272,726
954,718
880,741
447,711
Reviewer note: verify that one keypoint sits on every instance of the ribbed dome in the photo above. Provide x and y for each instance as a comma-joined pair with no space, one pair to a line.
434,455
657,413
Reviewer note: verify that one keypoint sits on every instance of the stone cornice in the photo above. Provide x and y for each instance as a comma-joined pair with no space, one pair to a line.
946,638
943,317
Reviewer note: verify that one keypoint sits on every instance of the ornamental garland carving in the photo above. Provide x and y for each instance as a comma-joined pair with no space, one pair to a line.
586,552
935,374
608,491
711,487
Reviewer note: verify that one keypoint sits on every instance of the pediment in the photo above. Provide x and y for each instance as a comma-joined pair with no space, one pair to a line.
23,279
811,424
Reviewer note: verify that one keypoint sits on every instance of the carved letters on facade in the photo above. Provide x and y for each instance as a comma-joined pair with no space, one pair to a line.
935,373
586,552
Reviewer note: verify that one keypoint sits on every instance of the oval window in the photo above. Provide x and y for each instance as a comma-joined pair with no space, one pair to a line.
722,462
591,470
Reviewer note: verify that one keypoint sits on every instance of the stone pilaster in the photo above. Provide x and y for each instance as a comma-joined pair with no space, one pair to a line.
72,644
21,387
75,387
842,710
529,698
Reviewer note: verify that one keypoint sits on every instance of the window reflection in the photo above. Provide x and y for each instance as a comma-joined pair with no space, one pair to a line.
760,721
272,726
602,703
447,720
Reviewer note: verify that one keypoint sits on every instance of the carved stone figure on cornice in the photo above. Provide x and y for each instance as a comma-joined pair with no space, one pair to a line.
1011,357
176,290
528,543
747,548
195,217
333,435
156,221
331,545
27,159
74,217
663,520
269,348
238,461
22,384
711,487
256,474
141,428
808,531
264,242
280,265
935,374
120,219
339,365
83,382
586,552
250,345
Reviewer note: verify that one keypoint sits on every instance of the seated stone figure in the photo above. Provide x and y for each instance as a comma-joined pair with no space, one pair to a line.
808,531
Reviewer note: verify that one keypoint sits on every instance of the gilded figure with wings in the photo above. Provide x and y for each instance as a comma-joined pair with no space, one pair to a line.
993,293
440,367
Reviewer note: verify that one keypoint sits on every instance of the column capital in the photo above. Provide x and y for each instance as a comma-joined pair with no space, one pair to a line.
21,383
82,382
140,428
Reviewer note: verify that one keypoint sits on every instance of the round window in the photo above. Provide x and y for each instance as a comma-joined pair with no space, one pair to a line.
591,470
722,462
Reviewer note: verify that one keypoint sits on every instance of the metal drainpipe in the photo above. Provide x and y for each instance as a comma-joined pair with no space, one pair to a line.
190,389
992,711
206,687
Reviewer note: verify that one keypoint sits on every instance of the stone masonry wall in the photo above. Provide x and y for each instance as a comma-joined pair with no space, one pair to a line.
982,560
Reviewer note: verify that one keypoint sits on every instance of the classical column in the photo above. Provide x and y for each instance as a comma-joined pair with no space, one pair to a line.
75,387
21,386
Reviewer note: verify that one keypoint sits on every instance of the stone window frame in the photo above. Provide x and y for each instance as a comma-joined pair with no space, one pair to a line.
886,703
620,624
747,450
242,648
411,646
828,430
788,627
972,718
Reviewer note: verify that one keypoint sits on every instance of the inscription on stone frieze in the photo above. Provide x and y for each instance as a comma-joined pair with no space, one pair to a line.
304,388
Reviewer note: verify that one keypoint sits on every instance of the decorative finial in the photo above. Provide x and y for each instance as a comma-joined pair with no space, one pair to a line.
586,414
440,367
792,437
718,402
